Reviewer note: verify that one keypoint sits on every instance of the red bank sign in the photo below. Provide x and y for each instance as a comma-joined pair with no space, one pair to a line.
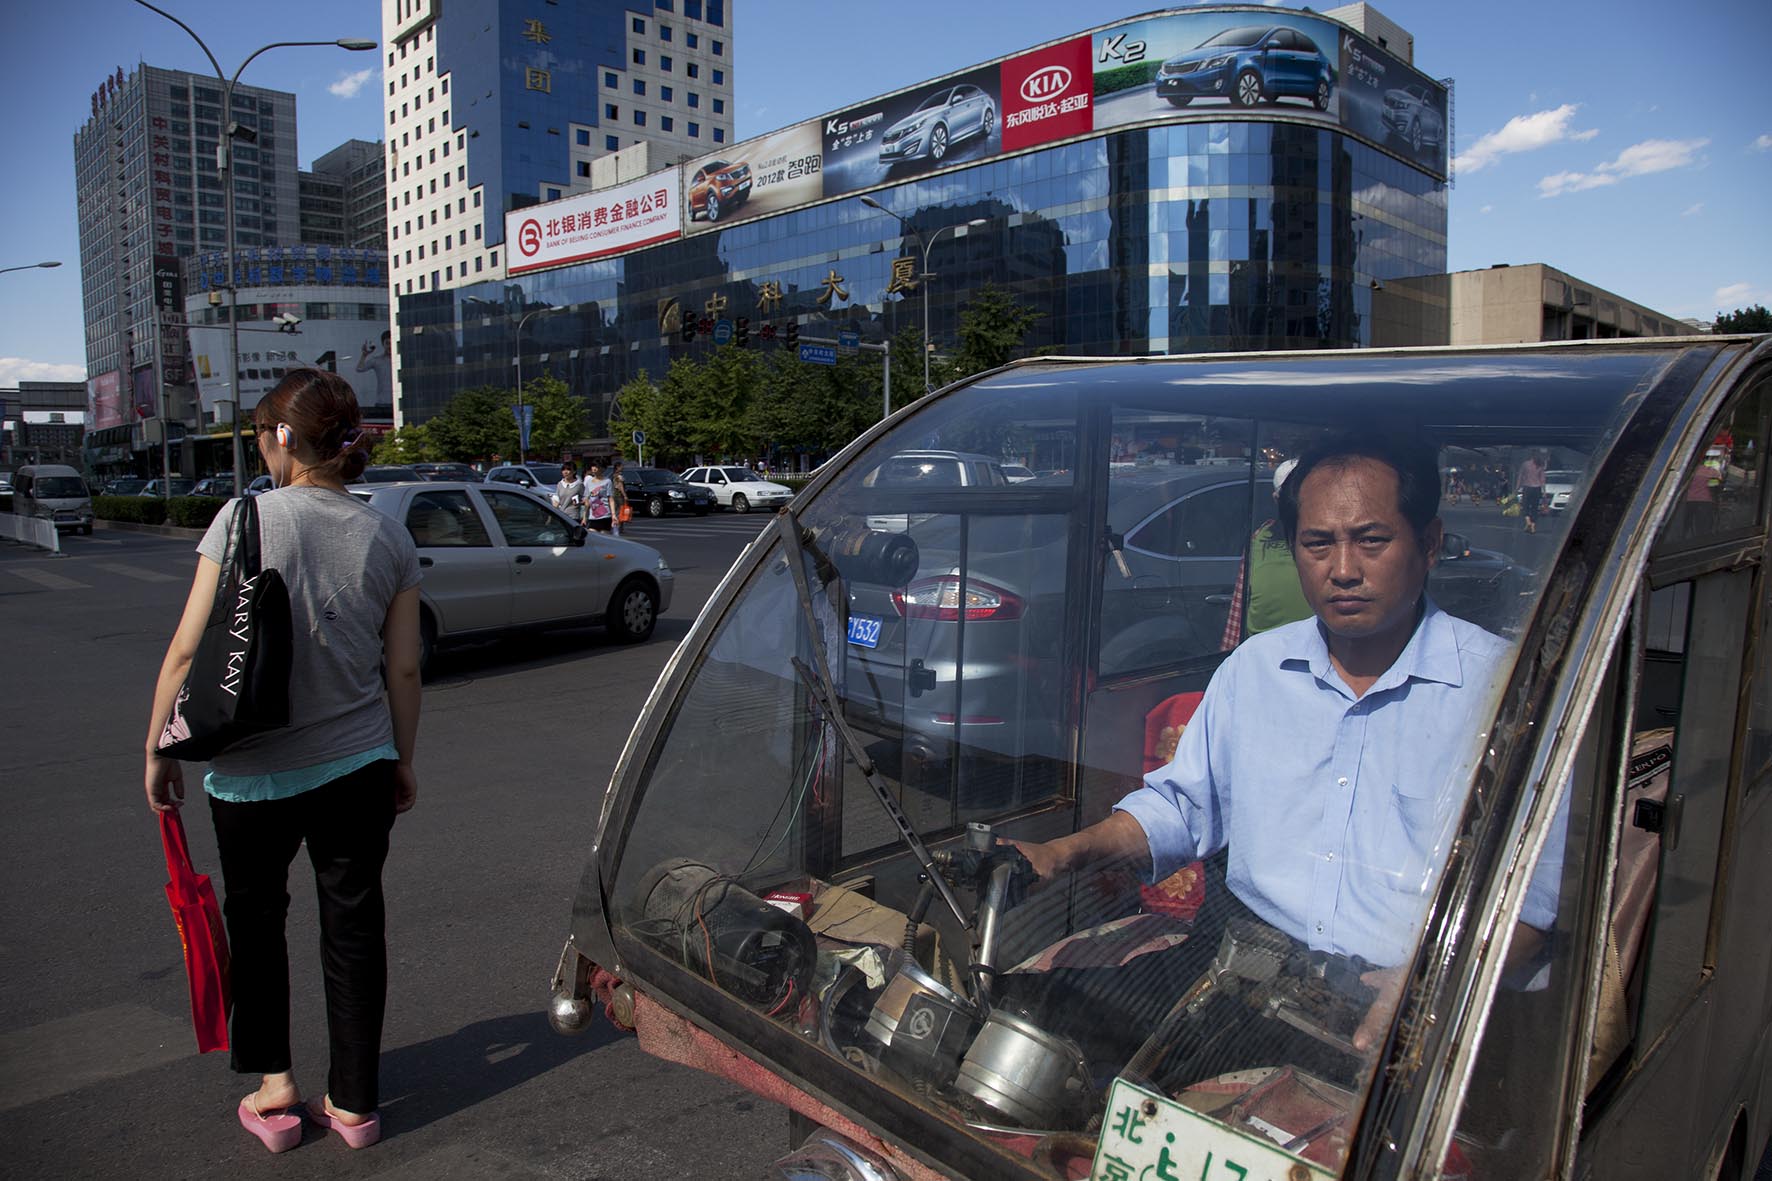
1048,95
590,225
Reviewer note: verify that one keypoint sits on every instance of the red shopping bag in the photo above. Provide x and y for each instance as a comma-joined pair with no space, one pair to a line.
200,929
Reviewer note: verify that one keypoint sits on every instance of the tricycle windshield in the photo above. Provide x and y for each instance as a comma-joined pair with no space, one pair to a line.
1256,613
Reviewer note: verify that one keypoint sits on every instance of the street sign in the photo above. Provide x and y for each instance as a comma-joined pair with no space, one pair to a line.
818,354
525,418
722,331
639,438
849,340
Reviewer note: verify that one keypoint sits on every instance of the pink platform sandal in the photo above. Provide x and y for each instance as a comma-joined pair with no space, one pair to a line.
354,1135
279,1131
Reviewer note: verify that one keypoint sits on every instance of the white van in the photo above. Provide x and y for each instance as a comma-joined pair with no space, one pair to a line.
54,492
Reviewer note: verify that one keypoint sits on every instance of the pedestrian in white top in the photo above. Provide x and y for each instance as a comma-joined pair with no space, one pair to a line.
569,492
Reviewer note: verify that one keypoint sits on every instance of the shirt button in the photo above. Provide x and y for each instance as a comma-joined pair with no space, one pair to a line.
1319,928
1332,857
1342,782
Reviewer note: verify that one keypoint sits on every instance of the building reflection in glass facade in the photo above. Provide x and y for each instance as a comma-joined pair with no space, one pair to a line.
1197,237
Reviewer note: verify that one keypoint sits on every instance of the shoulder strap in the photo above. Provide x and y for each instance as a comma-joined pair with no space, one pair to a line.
246,536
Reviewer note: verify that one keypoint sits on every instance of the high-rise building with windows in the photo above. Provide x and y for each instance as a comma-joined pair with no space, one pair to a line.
149,195
344,198
494,105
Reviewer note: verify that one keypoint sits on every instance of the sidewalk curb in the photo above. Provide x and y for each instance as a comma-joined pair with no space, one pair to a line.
159,530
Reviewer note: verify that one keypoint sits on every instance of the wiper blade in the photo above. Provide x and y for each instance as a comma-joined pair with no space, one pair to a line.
818,683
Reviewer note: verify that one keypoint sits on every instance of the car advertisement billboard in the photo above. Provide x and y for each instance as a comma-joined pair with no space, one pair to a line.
1209,63
590,225
951,121
1388,103
1047,95
763,175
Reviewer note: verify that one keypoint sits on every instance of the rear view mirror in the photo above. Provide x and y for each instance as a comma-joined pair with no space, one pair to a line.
579,533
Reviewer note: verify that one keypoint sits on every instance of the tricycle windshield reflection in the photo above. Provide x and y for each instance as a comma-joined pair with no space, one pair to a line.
929,661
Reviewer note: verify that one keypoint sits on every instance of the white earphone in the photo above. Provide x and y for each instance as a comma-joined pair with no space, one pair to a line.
285,436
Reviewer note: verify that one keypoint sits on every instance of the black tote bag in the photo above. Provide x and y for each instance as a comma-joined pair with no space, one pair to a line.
239,680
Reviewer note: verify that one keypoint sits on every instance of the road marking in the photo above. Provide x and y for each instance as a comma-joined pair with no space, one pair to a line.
48,581
141,573
70,1053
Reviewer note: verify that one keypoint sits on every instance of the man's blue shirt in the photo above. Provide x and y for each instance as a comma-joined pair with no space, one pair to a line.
1334,808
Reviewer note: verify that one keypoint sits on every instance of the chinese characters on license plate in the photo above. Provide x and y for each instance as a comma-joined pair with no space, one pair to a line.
1150,1138
864,630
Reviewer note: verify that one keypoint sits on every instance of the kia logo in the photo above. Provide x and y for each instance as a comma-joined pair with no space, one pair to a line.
529,238
1045,83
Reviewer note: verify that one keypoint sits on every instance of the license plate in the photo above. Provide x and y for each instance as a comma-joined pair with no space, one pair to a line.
864,631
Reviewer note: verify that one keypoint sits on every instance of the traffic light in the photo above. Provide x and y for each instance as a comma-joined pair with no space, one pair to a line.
741,334
688,329
791,336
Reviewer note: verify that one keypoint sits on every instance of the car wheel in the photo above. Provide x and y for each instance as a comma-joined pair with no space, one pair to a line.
655,506
86,530
1321,100
1180,100
1248,89
938,142
990,122
427,642
632,612
1415,135
739,503
713,207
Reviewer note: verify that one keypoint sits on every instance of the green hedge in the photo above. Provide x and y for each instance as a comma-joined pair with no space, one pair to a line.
138,510
191,512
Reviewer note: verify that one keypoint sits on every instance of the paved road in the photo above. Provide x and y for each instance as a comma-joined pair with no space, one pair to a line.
98,1073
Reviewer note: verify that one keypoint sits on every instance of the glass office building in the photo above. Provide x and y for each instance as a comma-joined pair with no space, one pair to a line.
1204,229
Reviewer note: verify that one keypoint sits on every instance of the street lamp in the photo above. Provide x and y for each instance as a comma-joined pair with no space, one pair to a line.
30,266
224,163
924,278
524,319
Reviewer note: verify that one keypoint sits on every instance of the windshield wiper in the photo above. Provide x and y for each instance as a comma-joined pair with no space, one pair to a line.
818,683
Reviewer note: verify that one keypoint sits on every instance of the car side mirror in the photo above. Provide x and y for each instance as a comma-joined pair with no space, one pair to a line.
579,533
1454,546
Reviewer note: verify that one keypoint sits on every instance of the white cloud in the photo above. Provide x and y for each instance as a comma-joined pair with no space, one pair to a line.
1487,209
350,84
16,369
1524,133
1692,210
1652,155
1764,143
1732,295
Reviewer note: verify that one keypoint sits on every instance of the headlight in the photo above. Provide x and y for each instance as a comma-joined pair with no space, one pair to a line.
911,128
675,494
662,566
1218,62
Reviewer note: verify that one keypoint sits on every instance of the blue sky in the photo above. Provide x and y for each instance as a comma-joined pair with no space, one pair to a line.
1627,142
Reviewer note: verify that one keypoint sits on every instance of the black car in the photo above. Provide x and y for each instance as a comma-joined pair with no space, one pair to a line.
449,471
655,492
388,474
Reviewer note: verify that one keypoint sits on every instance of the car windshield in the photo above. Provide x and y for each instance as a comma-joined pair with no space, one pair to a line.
1236,38
547,473
742,475
59,487
388,475
938,99
1561,477
1018,656
651,475
127,487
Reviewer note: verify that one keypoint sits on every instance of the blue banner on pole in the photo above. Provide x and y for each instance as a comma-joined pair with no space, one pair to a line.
525,419
818,354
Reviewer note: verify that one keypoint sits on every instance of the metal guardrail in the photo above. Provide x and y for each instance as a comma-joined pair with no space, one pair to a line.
31,531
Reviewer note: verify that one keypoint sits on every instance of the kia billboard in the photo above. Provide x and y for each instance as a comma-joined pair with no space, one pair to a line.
1047,95
763,175
953,121
1385,101
357,350
590,225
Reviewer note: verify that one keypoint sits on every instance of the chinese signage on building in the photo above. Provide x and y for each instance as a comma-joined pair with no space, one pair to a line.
590,225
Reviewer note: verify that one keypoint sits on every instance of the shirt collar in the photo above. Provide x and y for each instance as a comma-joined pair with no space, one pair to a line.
1430,655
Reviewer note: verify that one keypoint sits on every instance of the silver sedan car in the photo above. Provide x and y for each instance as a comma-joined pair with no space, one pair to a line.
494,559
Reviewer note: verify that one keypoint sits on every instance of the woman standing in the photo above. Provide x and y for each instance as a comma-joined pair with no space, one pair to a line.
619,497
599,499
334,778
569,492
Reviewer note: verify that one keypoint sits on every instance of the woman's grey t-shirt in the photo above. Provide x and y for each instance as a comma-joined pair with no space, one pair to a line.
344,563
